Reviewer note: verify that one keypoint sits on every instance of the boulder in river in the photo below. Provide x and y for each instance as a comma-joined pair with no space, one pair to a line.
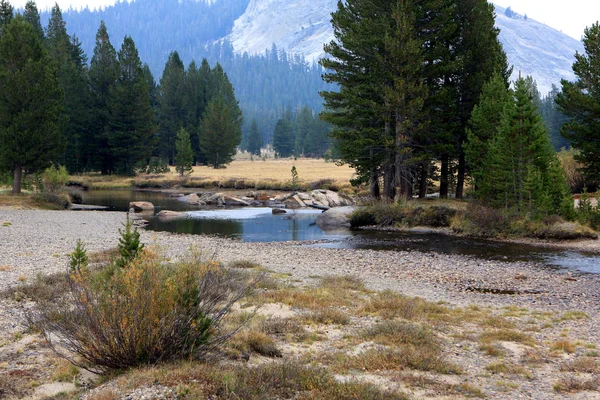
192,200
338,217
235,201
141,206
167,214
278,211
217,199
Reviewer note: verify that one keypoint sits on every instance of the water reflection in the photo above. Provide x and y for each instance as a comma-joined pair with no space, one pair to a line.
260,225
249,225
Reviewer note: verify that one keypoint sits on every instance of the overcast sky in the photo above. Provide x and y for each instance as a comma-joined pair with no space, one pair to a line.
570,16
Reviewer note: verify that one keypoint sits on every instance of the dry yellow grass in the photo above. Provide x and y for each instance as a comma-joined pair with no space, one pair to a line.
240,174
309,170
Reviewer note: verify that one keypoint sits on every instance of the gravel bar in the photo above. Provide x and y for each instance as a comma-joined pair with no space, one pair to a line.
38,242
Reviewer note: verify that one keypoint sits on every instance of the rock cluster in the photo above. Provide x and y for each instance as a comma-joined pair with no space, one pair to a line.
322,199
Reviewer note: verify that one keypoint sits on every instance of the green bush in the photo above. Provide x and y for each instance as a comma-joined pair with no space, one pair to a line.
54,179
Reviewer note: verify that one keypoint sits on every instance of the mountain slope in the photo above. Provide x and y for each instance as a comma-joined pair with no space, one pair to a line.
303,26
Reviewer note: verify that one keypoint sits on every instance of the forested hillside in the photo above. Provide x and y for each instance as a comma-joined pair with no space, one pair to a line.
266,85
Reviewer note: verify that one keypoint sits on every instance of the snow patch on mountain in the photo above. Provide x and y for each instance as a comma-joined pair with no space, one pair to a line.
303,27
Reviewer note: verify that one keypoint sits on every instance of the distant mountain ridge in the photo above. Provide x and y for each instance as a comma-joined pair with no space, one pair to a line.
303,26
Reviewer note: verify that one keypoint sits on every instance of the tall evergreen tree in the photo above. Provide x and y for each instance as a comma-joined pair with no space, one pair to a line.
283,137
72,73
103,75
184,156
580,103
31,104
131,126
194,100
484,123
481,56
254,139
355,110
522,171
32,15
170,109
404,96
220,132
6,13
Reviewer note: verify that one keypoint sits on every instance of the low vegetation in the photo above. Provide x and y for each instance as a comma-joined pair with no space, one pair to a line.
476,220
198,329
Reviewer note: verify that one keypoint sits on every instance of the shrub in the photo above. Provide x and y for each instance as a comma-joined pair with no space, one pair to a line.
481,221
54,179
75,195
55,200
143,314
437,216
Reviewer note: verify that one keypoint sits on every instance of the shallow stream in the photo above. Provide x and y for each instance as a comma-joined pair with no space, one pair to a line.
260,225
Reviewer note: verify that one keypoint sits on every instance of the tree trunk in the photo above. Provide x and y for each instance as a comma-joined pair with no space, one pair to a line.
423,180
460,180
389,190
374,184
444,177
18,174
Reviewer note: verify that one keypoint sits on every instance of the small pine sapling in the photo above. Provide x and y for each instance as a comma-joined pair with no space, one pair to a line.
129,244
78,258
295,181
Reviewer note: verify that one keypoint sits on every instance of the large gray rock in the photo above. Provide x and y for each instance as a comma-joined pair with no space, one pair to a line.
235,201
141,206
167,214
192,200
338,217
217,199
329,198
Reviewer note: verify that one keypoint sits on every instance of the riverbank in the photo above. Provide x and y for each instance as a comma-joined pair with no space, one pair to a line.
38,242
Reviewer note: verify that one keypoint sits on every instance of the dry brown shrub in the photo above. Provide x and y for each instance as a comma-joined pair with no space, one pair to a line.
144,313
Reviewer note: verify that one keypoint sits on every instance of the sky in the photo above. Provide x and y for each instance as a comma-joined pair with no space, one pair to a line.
570,17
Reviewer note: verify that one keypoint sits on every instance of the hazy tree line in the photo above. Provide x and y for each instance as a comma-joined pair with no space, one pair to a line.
110,116
266,85
302,133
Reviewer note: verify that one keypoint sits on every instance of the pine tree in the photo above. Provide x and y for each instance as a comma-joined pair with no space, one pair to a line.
194,102
31,105
580,103
129,244
32,15
355,109
283,137
521,170
103,75
131,120
484,123
254,139
6,14
405,94
170,110
72,73
184,156
481,55
220,132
